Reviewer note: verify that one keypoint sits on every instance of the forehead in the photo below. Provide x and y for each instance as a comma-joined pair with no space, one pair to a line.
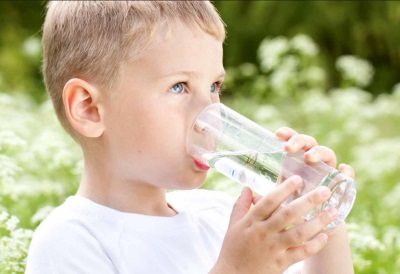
182,47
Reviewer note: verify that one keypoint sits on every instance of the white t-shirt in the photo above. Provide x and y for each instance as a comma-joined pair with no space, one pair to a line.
81,236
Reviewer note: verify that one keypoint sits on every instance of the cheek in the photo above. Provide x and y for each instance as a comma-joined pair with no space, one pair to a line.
166,129
161,136
156,153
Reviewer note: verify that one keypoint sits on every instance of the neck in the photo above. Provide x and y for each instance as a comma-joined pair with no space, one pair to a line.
125,196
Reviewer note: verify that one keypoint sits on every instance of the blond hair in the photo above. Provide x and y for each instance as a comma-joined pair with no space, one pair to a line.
92,39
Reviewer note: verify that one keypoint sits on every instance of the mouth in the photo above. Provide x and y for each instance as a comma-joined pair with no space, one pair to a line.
200,165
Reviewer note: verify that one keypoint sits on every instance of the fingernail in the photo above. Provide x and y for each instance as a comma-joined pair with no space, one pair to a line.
332,212
346,168
324,237
324,191
283,131
313,155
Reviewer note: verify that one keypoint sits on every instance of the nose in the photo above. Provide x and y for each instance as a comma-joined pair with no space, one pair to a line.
203,100
204,134
208,127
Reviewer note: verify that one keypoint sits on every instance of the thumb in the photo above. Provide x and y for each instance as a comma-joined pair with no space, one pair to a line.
242,205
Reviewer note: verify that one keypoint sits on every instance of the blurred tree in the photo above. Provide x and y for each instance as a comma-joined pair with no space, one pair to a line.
368,29
20,52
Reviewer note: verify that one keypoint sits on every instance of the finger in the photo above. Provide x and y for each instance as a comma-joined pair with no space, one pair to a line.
298,208
284,133
346,169
300,142
256,199
321,153
241,206
302,233
268,204
310,248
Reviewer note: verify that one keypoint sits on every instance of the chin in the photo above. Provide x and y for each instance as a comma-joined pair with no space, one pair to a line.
191,183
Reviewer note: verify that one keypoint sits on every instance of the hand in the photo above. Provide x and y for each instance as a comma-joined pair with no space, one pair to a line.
257,240
335,257
313,152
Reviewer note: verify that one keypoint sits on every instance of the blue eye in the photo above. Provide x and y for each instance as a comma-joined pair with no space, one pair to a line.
215,87
177,88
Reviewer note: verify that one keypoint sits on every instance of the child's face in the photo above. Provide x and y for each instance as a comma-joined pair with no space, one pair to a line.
155,105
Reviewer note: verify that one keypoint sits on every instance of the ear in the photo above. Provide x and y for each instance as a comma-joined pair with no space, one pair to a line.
83,107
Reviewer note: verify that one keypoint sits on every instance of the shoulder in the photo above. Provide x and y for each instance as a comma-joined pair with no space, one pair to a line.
68,221
61,241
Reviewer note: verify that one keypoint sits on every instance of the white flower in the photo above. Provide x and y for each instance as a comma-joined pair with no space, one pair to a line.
8,169
304,45
41,214
3,216
396,89
9,139
266,112
270,52
391,237
12,223
363,237
355,69
315,104
280,81
348,99
32,47
377,159
6,100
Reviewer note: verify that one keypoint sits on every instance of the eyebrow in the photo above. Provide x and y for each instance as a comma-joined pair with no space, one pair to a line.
190,74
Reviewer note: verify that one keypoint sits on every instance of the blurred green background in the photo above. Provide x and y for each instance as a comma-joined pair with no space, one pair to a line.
329,69
368,29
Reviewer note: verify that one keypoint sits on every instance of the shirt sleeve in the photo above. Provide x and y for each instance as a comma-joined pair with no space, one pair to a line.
295,268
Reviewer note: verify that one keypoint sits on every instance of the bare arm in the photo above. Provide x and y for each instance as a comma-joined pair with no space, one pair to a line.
334,258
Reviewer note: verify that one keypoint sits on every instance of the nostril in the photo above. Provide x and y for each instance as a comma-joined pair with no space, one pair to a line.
197,128
200,127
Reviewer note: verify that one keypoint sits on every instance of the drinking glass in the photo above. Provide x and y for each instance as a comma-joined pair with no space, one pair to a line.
253,156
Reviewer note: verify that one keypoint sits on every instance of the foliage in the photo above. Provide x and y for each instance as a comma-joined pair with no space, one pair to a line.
14,243
40,165
20,50
368,29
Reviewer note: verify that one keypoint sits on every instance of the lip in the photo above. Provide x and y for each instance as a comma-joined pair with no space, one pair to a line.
200,165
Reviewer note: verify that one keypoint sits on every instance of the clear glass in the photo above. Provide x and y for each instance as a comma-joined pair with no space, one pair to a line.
253,156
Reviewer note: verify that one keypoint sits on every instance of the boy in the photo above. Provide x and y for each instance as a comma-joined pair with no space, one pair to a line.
127,80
